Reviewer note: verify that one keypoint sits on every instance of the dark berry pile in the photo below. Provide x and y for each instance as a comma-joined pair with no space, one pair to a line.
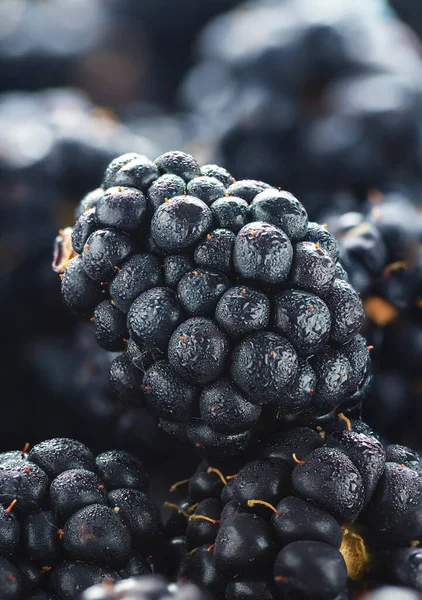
69,520
145,588
314,515
343,118
381,250
231,309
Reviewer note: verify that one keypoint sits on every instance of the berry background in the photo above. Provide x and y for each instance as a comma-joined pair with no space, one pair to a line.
331,111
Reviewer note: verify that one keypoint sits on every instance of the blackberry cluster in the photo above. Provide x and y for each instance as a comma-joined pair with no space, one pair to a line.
341,119
145,588
381,250
316,514
69,520
230,307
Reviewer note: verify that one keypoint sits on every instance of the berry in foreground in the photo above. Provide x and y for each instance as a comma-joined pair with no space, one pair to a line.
69,520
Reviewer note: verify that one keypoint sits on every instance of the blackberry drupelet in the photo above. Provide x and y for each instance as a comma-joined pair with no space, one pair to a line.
224,297
69,519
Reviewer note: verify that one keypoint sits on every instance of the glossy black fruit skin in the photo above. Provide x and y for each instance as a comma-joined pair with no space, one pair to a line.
10,580
178,163
119,469
27,485
167,395
139,273
215,251
166,186
175,266
242,310
267,480
89,201
263,364
9,533
74,489
138,515
283,210
69,578
313,269
333,372
312,569
394,511
304,319
224,409
125,381
247,189
299,441
318,234
84,226
263,254
123,208
115,166
219,173
346,311
301,520
40,539
80,293
366,453
243,542
61,454
104,250
331,481
205,188
199,291
230,213
153,317
110,326
198,350
180,223
96,534
298,396
138,173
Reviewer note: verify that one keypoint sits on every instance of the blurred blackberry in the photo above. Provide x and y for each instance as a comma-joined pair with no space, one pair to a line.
71,520
145,588
227,329
342,119
381,250
314,515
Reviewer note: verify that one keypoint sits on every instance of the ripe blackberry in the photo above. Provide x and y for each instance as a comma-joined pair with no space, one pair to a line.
152,587
225,300
69,519
306,519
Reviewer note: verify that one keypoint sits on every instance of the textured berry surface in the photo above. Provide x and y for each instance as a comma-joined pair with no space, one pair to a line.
70,520
231,309
319,513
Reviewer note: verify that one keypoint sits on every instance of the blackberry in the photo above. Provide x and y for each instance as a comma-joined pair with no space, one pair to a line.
70,520
152,587
231,309
301,518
